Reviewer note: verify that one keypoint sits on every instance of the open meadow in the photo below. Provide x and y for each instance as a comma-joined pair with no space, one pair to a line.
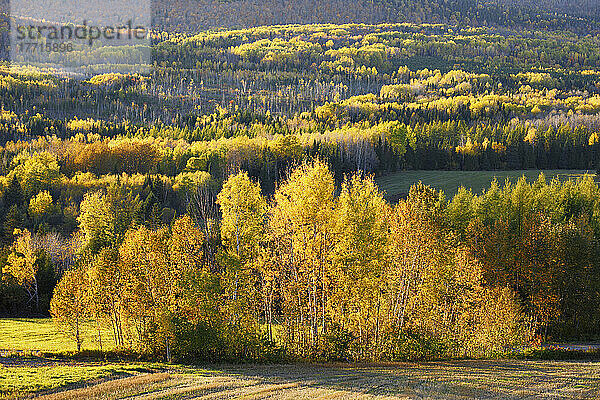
501,379
24,374
41,335
450,181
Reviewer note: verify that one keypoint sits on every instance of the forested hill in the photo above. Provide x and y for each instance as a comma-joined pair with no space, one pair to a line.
580,16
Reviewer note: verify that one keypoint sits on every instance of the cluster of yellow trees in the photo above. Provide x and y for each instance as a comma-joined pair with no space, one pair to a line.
321,275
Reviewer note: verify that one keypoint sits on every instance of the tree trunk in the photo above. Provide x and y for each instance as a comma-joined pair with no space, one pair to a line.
77,335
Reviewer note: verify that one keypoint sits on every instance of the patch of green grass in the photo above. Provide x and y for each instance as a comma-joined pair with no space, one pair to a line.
450,181
43,335
481,379
31,378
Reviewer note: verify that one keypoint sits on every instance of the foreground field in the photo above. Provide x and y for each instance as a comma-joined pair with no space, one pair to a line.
437,380
450,181
22,376
71,379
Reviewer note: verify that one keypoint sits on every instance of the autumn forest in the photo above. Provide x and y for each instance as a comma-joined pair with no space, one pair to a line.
225,205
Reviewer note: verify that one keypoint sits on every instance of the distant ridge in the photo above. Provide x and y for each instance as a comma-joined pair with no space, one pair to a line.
579,16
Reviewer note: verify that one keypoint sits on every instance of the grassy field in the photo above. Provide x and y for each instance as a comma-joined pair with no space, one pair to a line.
21,376
42,335
65,378
435,380
450,181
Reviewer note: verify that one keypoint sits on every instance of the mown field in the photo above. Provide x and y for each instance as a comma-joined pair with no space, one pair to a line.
60,378
450,181
432,380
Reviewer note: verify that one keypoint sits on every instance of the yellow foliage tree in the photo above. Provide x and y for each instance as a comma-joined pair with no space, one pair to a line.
40,204
21,264
301,225
70,304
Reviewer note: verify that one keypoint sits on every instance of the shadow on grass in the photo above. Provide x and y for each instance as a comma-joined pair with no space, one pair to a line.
452,379
531,374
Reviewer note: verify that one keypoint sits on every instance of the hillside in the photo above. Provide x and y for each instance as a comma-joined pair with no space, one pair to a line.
195,15
225,199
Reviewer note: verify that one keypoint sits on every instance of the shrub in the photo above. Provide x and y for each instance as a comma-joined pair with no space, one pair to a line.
203,341
404,345
335,345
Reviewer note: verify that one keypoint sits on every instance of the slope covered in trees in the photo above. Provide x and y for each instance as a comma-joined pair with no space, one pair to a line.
291,69
359,96
193,15
223,206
